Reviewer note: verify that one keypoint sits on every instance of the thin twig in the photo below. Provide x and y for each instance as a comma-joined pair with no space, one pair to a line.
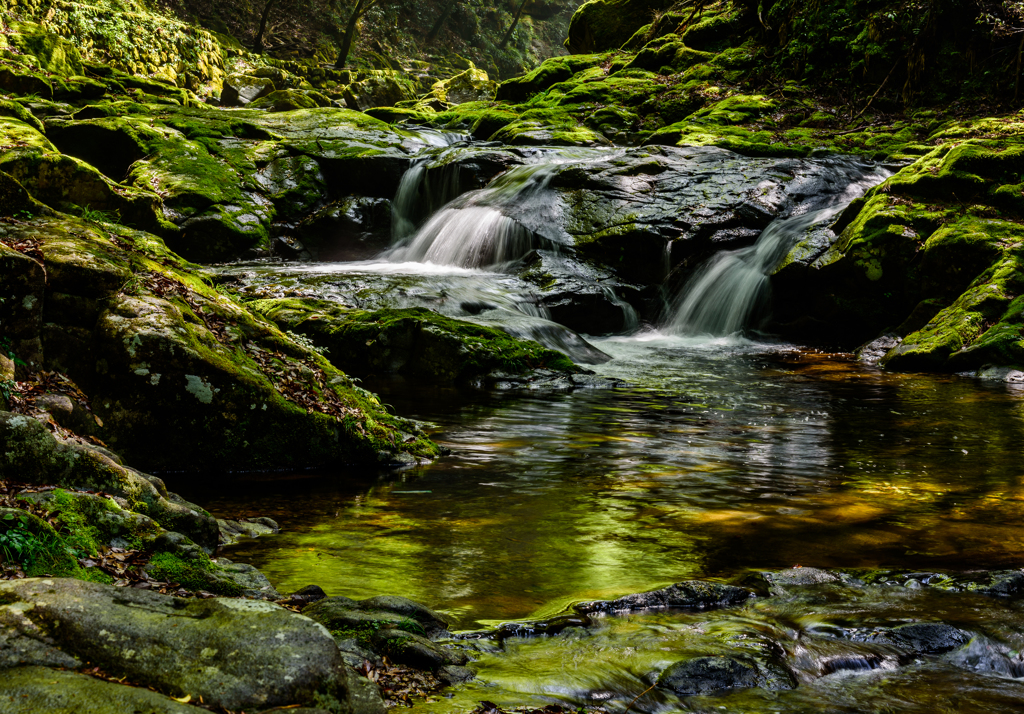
877,90
638,697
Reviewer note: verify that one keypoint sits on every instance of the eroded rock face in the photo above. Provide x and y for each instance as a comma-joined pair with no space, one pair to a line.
237,654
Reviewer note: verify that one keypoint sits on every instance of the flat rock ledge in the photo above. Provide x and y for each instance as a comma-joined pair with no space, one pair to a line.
235,654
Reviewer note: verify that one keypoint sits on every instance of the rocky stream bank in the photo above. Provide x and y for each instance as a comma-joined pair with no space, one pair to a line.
134,179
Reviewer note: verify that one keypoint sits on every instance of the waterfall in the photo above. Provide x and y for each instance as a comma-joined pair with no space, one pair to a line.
731,290
421,192
472,231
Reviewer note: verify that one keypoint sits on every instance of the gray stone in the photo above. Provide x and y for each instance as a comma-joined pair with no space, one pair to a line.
241,89
31,690
231,531
342,613
236,654
454,674
406,648
704,675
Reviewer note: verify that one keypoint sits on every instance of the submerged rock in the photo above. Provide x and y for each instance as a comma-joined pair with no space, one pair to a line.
704,675
929,638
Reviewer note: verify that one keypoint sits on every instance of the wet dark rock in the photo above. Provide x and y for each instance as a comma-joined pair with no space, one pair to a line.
352,228
552,626
929,638
779,581
404,647
452,674
704,675
873,352
689,594
307,595
579,296
984,655
384,611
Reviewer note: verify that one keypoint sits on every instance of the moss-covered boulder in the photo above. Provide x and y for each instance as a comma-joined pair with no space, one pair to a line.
415,342
235,654
931,257
31,689
602,25
183,377
240,89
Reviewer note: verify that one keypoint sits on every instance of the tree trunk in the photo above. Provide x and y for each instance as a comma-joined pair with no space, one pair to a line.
263,25
439,25
361,8
508,35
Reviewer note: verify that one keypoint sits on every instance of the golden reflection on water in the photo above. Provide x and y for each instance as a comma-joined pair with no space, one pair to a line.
744,461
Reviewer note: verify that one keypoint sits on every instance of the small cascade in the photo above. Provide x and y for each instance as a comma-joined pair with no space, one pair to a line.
731,291
472,231
421,192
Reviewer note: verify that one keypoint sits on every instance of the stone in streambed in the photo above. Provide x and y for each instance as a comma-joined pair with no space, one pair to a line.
407,648
236,654
689,594
30,690
704,675
929,638
344,615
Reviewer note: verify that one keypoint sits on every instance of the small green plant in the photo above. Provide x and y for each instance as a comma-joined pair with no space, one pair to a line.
7,388
306,343
96,216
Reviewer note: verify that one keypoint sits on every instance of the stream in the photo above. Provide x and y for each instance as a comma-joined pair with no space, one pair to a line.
712,451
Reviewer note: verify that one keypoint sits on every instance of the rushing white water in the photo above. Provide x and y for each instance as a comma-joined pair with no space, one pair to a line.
471,231
731,290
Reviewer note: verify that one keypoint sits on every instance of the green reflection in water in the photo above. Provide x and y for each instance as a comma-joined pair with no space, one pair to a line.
800,458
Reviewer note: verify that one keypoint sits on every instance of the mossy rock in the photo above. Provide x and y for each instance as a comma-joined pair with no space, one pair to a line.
415,342
183,376
235,654
550,72
602,25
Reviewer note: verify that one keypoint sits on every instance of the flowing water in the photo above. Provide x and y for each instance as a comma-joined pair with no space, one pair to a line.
721,456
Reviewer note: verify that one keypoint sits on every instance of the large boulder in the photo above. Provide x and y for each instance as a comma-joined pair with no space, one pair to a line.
32,689
909,262
235,654
602,25
182,376
241,89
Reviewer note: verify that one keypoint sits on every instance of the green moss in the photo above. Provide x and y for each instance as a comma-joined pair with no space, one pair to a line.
414,341
198,574
42,550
